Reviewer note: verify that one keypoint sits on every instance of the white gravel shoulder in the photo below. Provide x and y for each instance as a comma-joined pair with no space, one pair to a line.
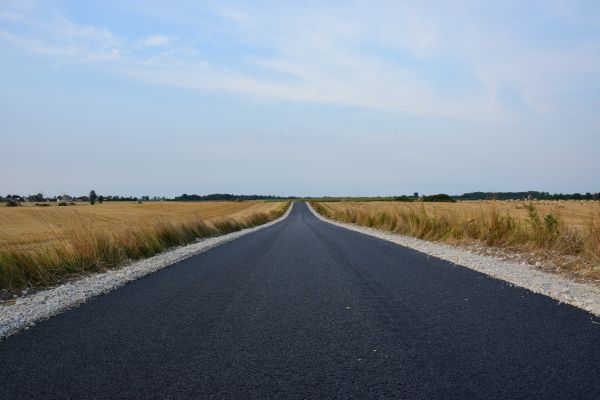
28,310
584,296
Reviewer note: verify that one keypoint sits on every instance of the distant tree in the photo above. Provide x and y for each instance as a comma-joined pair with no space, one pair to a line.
100,199
403,198
416,194
223,196
93,197
439,198
36,197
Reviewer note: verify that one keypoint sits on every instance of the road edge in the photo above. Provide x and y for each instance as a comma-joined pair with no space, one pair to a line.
29,310
580,295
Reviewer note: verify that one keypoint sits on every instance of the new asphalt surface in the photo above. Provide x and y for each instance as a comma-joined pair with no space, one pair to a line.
304,309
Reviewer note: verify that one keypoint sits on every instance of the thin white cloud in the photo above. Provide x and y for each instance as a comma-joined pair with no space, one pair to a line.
66,29
76,52
233,15
397,58
156,40
59,37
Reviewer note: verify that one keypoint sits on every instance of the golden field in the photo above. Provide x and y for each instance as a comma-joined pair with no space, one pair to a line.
30,225
573,213
40,245
567,233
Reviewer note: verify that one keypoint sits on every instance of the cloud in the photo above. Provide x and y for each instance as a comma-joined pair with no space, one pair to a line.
454,61
156,40
233,15
59,37
71,51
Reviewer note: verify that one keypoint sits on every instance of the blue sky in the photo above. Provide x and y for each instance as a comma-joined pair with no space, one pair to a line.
306,98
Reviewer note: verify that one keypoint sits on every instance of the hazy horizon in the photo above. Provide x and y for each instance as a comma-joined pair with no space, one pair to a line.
152,197
381,98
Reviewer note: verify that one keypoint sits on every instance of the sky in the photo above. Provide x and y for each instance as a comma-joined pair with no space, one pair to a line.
299,98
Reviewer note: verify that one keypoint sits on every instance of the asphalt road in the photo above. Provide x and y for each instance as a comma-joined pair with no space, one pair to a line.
304,309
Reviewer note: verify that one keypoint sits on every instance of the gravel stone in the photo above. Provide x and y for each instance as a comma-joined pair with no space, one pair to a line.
581,295
44,304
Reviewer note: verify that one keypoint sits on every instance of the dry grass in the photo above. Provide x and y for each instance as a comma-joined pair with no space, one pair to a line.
564,232
39,246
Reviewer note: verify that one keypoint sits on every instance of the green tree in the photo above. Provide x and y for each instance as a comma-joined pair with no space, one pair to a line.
93,197
36,197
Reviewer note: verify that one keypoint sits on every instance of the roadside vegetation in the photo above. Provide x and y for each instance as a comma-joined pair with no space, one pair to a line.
567,233
44,246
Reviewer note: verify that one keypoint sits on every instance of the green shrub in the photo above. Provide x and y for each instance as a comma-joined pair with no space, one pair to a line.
439,198
403,198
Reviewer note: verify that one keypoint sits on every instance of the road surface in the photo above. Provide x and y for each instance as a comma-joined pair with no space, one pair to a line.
304,309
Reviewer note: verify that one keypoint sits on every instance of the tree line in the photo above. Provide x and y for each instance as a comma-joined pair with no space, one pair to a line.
93,198
230,197
527,195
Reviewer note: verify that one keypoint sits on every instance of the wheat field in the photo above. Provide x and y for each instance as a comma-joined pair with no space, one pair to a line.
573,213
565,232
42,245
30,225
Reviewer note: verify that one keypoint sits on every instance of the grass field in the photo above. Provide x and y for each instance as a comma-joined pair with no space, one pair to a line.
564,232
42,245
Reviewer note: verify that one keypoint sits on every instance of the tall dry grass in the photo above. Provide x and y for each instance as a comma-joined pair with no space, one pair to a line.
548,233
82,248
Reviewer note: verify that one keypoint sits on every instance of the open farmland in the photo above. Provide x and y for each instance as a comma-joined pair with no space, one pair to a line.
39,245
566,233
